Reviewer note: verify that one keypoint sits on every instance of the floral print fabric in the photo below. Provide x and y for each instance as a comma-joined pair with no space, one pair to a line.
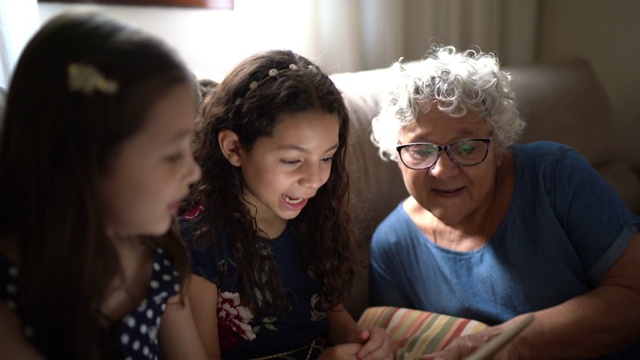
233,320
241,334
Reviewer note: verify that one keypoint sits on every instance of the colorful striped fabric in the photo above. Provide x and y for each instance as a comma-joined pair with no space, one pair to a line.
416,332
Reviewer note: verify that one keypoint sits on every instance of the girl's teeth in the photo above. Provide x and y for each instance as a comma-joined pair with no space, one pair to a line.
292,201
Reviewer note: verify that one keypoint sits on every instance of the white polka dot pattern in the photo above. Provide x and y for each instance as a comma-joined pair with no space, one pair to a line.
141,327
138,331
9,289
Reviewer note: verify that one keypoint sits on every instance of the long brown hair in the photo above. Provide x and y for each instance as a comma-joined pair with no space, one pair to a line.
56,143
252,112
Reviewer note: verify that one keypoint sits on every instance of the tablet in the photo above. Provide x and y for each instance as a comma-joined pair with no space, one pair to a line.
486,351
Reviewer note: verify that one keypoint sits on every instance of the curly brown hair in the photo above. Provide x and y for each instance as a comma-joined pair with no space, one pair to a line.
252,112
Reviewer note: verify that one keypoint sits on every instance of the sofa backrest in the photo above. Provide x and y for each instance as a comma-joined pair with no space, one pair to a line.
376,185
565,102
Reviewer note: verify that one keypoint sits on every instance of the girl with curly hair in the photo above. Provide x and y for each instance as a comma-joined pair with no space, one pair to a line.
267,224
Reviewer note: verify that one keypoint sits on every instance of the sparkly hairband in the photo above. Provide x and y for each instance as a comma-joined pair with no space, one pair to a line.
272,73
87,79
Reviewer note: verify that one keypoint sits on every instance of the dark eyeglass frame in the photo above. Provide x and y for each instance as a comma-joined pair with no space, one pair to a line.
486,141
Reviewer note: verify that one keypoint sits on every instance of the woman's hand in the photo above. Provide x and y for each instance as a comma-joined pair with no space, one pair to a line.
464,346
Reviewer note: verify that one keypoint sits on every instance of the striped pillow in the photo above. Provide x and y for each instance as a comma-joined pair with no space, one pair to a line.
416,332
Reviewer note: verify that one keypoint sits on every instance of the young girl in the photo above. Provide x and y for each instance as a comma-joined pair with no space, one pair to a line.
268,224
95,158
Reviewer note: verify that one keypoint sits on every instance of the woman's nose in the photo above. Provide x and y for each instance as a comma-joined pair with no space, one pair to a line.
443,165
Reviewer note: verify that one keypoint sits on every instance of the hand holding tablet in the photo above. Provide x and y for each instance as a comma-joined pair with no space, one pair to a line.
497,343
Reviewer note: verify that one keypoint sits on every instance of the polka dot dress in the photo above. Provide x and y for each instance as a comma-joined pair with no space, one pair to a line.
138,331
9,281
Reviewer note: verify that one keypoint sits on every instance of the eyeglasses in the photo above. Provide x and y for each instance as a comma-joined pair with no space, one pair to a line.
464,152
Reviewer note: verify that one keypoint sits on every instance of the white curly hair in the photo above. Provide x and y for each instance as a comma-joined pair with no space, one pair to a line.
456,82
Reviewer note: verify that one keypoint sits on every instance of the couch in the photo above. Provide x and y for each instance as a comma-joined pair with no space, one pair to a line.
562,101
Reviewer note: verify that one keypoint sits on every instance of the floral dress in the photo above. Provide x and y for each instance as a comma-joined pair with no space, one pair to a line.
136,333
241,334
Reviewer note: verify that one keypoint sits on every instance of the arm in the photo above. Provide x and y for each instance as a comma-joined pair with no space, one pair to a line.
12,341
203,295
606,319
341,325
385,282
178,336
602,321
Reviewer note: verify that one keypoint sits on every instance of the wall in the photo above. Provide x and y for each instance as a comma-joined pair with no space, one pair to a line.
212,41
606,33
338,35
18,22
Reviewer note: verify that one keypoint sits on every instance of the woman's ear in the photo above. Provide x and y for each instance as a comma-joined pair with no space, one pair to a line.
230,146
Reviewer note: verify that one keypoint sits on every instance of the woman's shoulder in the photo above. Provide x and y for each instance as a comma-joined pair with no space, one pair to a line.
397,215
543,155
538,148
397,226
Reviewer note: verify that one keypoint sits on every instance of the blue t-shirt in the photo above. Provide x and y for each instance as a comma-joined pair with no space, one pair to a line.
242,335
136,333
565,227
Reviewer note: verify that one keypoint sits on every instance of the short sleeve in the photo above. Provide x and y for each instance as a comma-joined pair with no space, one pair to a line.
202,256
595,218
385,279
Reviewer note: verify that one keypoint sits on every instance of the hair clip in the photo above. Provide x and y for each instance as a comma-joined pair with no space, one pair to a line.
273,73
87,79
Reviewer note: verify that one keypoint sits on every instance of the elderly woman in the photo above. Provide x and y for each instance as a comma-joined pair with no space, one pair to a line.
492,229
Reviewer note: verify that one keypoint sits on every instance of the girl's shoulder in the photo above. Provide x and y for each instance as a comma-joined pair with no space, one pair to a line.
189,223
138,331
9,282
164,274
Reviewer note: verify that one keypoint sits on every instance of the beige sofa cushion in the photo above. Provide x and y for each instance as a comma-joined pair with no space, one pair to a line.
565,102
376,185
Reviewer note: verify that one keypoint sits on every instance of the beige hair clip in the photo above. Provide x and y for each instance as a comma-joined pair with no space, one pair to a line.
87,79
